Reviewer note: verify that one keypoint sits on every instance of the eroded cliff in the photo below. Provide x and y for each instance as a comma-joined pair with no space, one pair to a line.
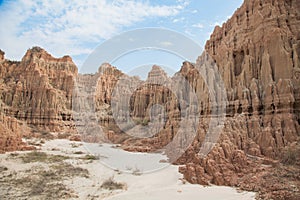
257,53
38,91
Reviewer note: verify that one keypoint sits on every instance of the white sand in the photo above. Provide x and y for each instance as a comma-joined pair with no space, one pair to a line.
164,183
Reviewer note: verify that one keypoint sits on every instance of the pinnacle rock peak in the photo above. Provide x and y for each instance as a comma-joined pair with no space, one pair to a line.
38,53
157,75
2,53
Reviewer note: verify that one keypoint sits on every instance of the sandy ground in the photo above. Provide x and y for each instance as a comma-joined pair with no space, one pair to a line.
72,173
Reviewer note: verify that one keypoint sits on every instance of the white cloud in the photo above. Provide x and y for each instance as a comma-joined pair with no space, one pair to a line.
183,2
181,19
189,32
201,26
71,27
166,43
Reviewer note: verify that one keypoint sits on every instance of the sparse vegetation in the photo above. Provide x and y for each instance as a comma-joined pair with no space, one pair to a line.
111,184
145,122
41,133
14,154
128,168
291,156
46,135
78,152
41,183
136,171
138,121
68,170
90,157
36,156
118,171
75,145
3,168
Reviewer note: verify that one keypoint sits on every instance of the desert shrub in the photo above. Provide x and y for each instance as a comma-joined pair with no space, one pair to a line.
44,183
3,168
90,157
111,184
145,122
67,170
78,152
36,156
291,156
75,145
136,171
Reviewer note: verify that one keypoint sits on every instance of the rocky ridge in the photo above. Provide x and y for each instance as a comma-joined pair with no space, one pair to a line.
36,90
257,52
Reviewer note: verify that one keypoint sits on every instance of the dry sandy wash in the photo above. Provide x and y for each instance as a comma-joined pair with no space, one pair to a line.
64,169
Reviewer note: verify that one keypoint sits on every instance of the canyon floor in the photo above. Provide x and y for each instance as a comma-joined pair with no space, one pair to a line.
63,169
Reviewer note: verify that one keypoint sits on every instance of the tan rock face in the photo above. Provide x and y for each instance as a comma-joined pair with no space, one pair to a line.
39,89
260,43
1,55
91,103
257,52
11,135
10,138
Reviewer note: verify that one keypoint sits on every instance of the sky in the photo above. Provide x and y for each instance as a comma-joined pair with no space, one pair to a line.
77,28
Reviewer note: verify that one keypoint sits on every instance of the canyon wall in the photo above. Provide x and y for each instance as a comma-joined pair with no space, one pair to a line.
257,57
257,52
36,90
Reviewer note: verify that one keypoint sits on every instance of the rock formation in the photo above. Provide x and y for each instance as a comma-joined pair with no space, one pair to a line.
38,91
12,132
1,55
257,53
91,103
257,56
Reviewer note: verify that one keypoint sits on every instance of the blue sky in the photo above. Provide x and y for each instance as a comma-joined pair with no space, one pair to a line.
76,28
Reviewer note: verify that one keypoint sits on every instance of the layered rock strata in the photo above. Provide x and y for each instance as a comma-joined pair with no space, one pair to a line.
36,90
257,53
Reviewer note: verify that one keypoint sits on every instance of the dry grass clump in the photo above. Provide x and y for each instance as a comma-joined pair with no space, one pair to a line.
291,156
36,156
111,184
90,157
41,183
